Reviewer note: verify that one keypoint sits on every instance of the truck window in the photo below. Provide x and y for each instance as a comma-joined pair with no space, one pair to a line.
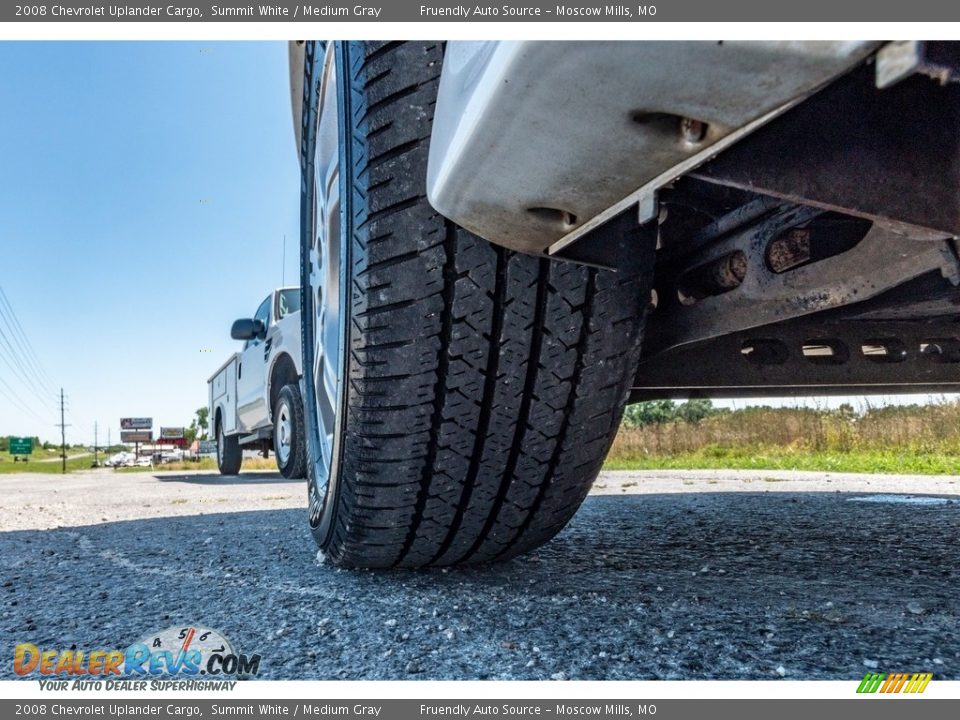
263,312
288,302
263,315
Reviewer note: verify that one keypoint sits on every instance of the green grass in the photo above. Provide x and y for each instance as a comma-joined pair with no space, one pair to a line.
257,464
776,458
8,466
909,439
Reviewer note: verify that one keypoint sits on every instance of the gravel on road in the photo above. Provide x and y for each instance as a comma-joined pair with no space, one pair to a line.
677,575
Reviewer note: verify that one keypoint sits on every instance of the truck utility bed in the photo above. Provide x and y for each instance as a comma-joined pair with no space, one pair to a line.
223,392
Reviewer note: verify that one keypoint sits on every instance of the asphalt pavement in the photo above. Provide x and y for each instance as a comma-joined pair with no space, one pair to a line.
660,575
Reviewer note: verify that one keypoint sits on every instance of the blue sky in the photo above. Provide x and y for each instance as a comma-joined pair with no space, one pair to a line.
145,189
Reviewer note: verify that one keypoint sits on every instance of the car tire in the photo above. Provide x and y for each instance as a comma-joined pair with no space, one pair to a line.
229,455
289,446
479,389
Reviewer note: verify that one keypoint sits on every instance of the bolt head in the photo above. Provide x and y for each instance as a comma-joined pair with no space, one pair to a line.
693,131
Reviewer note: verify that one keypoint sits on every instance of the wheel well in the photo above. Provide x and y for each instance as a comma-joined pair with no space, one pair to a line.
284,372
217,420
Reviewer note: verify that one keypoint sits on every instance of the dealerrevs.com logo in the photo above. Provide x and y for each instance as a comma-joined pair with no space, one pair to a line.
191,652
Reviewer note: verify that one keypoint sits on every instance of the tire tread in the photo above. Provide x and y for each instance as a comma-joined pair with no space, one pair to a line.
484,386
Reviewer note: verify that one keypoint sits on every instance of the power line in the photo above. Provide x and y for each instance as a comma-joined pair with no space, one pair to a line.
16,400
28,377
26,342
25,406
26,349
29,371
22,373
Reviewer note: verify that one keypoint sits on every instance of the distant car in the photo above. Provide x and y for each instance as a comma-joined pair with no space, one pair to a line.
171,456
144,462
120,459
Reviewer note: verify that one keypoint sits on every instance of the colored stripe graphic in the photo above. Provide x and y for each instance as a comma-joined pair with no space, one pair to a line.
871,682
919,684
895,683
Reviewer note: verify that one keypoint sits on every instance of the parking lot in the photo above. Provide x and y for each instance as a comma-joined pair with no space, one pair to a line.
661,575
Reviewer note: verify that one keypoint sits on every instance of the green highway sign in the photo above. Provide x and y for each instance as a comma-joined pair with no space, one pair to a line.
21,446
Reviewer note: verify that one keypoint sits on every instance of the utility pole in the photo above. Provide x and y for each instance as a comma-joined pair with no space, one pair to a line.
96,457
63,437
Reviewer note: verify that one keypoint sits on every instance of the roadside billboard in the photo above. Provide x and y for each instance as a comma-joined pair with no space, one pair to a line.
171,433
136,436
136,423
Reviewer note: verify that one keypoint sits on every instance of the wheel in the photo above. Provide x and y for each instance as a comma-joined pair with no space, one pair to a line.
459,398
289,446
229,455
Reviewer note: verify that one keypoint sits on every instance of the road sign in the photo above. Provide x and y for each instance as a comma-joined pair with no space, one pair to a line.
21,446
136,436
171,433
141,423
208,447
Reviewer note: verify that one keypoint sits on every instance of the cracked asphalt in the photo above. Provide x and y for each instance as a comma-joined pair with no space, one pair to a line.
671,575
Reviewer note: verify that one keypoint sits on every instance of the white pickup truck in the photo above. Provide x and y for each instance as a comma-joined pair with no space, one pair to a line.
254,397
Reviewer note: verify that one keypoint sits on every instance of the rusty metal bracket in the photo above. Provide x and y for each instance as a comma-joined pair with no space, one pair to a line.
883,259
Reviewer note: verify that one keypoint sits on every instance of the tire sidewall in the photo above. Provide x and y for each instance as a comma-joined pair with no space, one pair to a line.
221,449
228,452
295,466
323,486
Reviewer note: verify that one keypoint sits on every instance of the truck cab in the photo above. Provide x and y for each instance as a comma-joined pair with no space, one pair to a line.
255,395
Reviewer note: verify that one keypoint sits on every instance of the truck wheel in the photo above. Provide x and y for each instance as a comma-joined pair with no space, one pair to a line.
229,455
288,443
460,398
